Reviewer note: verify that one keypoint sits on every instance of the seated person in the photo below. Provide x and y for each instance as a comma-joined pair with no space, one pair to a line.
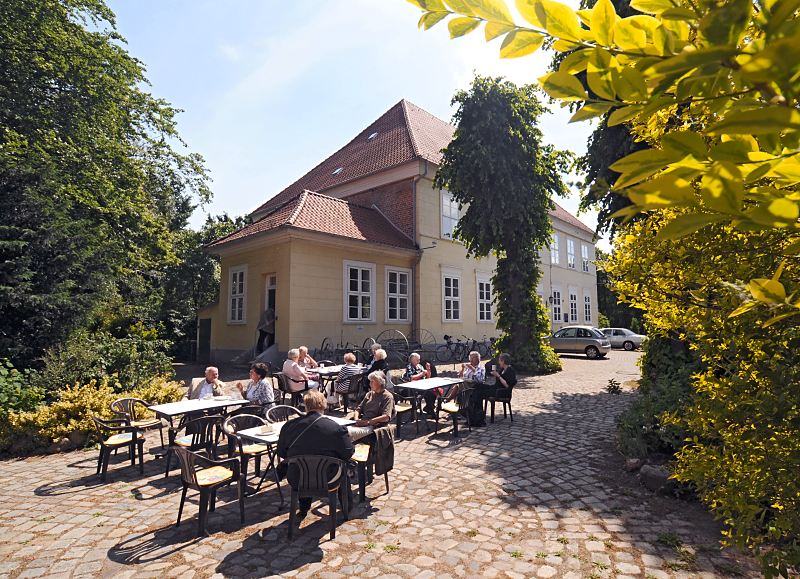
259,389
416,371
505,380
473,370
375,410
304,360
378,361
313,434
296,373
210,386
350,369
373,348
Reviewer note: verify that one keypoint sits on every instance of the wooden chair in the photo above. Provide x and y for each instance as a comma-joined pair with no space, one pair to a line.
247,449
455,406
206,476
318,477
115,434
136,411
199,434
504,398
282,413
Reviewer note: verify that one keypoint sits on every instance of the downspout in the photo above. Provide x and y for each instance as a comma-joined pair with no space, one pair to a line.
414,271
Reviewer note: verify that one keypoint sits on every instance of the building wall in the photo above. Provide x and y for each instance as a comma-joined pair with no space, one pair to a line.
229,339
446,256
317,290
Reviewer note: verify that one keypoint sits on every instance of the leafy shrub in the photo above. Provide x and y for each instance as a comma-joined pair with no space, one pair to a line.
71,413
667,367
613,386
88,356
602,320
18,392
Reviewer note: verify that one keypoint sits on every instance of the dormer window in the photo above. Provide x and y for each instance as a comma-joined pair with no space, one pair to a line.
372,136
337,171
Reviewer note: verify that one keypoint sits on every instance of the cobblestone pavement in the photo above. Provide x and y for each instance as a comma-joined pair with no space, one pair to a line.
544,496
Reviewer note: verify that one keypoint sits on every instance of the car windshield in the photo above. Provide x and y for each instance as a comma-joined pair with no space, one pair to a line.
597,333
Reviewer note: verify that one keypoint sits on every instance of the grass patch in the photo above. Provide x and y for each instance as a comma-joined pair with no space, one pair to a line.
592,538
600,565
391,548
563,540
669,539
471,533
541,555
369,546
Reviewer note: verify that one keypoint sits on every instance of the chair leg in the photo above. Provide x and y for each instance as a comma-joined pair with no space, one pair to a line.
240,488
277,481
245,464
504,409
510,414
167,460
292,513
332,512
106,458
212,501
493,411
183,499
386,480
161,434
141,457
258,465
362,482
99,461
201,519
455,425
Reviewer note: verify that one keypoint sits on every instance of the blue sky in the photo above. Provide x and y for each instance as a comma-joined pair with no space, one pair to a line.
269,89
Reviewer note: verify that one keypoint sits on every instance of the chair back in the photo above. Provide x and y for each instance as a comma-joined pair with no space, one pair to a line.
187,459
255,409
355,383
233,424
130,408
282,413
107,427
314,475
202,432
290,385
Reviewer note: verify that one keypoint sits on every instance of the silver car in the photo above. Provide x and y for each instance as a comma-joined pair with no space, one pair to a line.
623,338
581,340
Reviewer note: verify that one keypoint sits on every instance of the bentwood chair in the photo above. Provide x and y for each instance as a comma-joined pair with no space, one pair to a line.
199,434
282,413
115,434
137,412
207,476
318,477
247,449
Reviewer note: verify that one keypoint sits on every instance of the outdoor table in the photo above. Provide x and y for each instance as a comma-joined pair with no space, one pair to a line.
270,439
420,387
328,373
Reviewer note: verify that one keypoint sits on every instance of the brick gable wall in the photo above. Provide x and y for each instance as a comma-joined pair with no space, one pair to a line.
395,202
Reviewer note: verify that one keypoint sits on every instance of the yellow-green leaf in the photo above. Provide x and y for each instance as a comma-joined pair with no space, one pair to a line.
598,73
640,165
742,309
767,290
590,110
757,122
722,188
430,5
461,26
685,143
651,6
628,83
520,43
491,10
723,25
559,20
532,11
775,319
460,7
563,86
678,13
628,36
624,114
603,19
784,209
669,189
495,29
684,225
689,59
575,62
429,19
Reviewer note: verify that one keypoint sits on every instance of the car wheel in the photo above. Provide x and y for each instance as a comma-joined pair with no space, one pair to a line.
592,352
629,346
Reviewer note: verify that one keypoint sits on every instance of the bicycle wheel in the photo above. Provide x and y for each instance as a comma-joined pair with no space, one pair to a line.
483,350
444,354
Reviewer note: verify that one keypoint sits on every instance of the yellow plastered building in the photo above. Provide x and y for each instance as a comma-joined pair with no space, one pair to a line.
363,243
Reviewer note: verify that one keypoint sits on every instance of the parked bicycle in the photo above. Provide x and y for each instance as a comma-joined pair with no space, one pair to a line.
453,351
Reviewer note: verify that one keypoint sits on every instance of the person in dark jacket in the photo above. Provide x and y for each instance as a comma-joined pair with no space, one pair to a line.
505,379
313,434
378,362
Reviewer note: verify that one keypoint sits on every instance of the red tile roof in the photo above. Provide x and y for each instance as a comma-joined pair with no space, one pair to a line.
317,212
402,134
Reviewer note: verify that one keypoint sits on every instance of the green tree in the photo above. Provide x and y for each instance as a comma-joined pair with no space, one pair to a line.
618,313
497,167
92,187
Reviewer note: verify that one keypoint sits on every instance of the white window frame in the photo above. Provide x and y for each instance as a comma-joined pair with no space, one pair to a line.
587,306
452,274
554,249
236,270
557,304
570,253
347,265
573,305
483,278
585,257
404,271
446,200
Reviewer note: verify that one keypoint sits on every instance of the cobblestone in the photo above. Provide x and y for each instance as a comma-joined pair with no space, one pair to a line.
544,496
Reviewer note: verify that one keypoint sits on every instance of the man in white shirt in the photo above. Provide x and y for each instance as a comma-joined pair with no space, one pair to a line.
211,386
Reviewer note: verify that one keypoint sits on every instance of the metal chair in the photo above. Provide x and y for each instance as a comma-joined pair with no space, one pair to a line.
289,387
206,476
318,477
114,434
247,449
282,413
200,434
135,411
